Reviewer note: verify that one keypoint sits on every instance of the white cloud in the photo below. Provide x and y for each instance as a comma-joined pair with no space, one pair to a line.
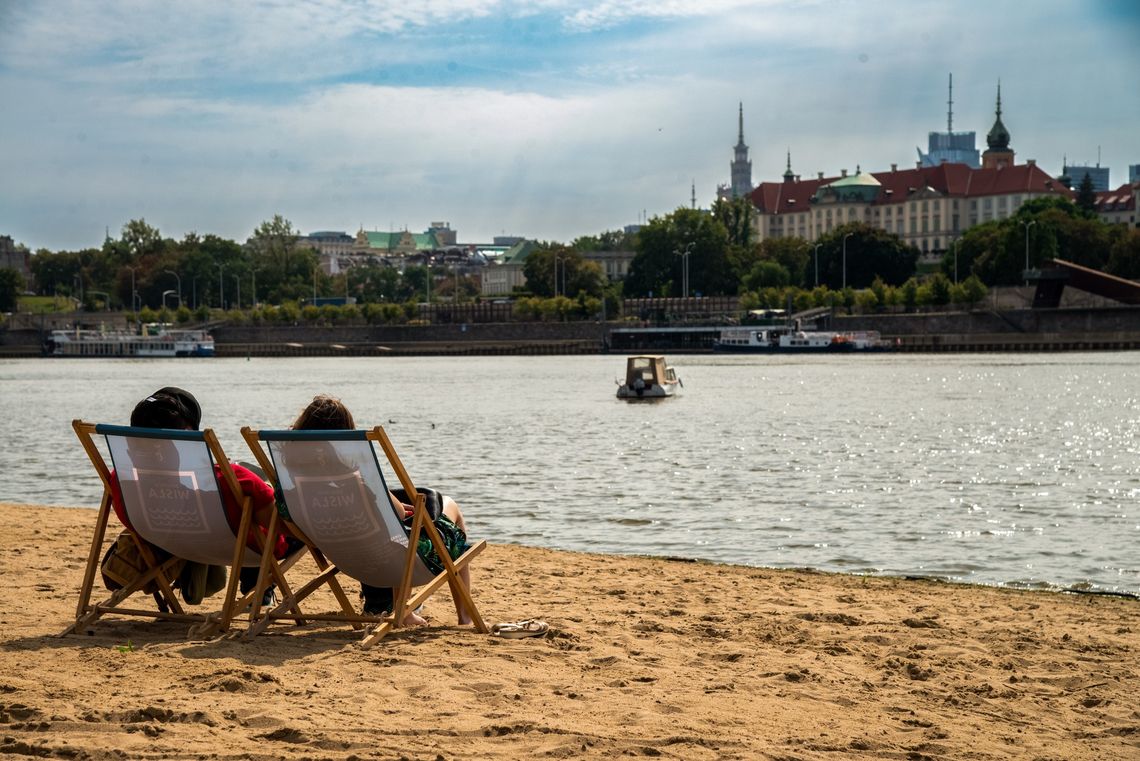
212,118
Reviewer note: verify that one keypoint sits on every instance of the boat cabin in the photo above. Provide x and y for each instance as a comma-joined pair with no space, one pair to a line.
649,369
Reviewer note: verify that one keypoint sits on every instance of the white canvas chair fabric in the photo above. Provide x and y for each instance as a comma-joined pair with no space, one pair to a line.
173,499
336,496
336,493
171,493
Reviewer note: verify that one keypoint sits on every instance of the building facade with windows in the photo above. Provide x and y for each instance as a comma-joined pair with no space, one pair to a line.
926,206
1118,207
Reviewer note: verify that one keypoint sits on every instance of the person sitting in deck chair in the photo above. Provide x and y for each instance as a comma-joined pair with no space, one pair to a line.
175,408
327,413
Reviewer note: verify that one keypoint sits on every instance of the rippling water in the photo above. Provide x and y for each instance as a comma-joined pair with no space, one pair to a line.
999,469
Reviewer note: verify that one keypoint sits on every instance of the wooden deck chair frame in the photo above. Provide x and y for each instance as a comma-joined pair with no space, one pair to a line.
405,601
204,624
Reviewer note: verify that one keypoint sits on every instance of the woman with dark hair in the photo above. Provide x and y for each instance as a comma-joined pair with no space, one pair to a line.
327,413
177,409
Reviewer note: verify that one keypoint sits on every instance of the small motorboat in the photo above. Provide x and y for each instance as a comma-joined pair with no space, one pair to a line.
648,377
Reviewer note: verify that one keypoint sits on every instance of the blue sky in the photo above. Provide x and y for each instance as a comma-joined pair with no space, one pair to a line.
547,119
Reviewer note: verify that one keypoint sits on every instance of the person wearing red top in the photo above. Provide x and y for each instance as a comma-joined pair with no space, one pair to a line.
175,408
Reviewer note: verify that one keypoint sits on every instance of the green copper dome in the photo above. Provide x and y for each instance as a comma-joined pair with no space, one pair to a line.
998,137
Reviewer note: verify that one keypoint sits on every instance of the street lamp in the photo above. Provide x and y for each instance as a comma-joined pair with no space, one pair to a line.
954,245
237,279
253,272
194,290
845,237
1027,225
134,292
817,247
221,288
558,259
685,267
179,279
167,293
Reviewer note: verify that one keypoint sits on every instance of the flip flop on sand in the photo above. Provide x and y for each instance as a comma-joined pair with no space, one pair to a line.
531,627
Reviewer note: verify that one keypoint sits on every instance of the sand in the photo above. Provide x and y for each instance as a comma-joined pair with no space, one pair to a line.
645,657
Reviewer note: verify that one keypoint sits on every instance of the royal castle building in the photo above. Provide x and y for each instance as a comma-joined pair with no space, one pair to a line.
927,206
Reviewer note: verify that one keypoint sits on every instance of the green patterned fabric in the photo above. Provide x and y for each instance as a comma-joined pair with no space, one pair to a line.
453,538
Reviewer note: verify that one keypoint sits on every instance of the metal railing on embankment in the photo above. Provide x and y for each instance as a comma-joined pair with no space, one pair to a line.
1017,342
408,349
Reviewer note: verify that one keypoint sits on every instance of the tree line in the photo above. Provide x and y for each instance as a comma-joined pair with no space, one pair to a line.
688,252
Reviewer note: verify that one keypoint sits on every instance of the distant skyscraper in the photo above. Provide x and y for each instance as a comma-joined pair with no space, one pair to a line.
956,147
1098,174
1133,173
741,166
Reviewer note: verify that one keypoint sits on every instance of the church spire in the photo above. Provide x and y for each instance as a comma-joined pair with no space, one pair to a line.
999,155
788,176
741,166
998,138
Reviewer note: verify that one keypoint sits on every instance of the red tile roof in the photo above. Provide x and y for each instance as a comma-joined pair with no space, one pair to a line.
1121,199
955,180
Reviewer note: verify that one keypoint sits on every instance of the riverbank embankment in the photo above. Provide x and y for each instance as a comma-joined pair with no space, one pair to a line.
1097,328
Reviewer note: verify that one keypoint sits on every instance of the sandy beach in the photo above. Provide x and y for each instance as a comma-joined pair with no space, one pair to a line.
645,657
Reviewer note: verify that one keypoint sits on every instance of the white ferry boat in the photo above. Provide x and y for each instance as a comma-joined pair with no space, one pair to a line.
155,340
648,377
783,340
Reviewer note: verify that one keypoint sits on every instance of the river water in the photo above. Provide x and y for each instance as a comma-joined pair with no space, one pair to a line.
1019,470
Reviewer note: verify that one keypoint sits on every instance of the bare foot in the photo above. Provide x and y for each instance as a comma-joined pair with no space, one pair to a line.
414,619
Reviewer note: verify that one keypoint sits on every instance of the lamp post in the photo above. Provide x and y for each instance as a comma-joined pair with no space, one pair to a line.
134,292
845,237
165,294
685,267
817,247
954,245
194,291
237,280
179,291
1027,225
558,259
253,272
221,288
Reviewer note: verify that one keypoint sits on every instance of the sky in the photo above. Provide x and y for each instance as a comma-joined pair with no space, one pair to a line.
548,119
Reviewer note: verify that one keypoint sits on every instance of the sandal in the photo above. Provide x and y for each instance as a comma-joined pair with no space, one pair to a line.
531,627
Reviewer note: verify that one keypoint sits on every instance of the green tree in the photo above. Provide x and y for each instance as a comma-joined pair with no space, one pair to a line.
11,286
793,254
575,274
1124,259
973,290
659,264
1086,196
939,289
737,215
871,252
767,274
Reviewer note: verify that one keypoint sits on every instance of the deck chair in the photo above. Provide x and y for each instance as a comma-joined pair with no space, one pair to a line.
336,496
172,496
